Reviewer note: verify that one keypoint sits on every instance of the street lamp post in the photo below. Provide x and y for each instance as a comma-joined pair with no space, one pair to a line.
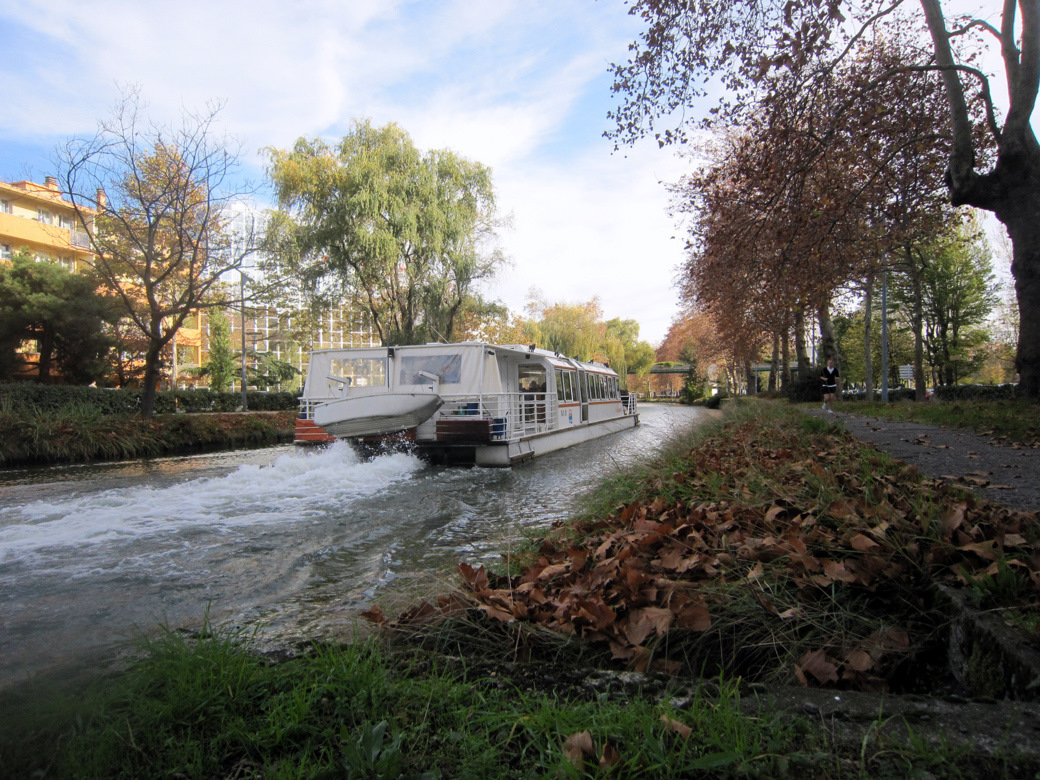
242,291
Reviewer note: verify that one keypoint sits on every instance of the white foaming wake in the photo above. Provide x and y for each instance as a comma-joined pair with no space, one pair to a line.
295,487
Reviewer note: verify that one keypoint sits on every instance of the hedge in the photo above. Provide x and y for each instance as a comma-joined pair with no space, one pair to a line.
29,395
976,392
894,394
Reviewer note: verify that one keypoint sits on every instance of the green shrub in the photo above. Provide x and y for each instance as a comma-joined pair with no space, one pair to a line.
894,394
976,393
22,397
804,390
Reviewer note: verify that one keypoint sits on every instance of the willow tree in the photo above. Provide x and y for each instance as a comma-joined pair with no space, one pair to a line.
377,224
573,329
689,49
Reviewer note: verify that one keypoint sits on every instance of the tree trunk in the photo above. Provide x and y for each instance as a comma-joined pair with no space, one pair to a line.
868,354
1025,268
1011,189
774,367
152,373
804,368
828,346
46,347
785,351
917,320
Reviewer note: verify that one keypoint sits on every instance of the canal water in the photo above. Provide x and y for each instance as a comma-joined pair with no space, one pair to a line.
288,541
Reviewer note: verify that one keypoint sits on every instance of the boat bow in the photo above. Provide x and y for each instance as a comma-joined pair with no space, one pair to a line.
376,414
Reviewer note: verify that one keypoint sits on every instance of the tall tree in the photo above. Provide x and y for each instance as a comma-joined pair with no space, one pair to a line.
403,235
61,312
160,195
851,330
626,354
672,66
808,197
957,292
220,368
572,329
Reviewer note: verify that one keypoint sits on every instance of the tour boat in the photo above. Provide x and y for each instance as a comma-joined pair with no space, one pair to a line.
462,403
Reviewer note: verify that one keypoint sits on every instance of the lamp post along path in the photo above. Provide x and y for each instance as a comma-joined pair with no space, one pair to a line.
242,290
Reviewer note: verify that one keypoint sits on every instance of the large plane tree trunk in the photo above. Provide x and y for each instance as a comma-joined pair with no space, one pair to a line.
801,355
1024,228
1011,189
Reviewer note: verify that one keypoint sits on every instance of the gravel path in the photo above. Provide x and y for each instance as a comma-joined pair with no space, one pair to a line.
1008,474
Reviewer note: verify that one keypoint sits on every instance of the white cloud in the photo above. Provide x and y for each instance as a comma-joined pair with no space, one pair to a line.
520,86
597,227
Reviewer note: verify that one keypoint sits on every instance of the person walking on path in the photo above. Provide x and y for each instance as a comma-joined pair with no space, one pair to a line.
829,378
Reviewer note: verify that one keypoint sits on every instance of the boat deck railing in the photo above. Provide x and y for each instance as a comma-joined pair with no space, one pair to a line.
628,402
307,406
512,415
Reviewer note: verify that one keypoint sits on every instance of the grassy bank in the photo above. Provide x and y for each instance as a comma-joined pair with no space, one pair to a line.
777,550
78,433
771,549
207,708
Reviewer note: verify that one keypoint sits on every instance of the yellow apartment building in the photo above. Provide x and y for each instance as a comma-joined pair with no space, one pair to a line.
35,217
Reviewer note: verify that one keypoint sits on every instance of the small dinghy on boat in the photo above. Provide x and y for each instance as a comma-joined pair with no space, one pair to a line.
373,415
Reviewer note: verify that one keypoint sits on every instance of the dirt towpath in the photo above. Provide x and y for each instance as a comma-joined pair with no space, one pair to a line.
1008,474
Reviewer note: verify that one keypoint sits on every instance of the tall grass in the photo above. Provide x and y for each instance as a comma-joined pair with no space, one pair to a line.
209,707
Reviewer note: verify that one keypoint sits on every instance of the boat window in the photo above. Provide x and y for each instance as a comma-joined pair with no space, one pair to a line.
532,378
362,372
565,387
447,367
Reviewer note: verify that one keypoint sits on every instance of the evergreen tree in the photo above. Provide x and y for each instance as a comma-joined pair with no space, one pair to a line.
221,367
60,312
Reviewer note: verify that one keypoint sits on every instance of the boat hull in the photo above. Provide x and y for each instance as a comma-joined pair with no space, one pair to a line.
375,415
502,454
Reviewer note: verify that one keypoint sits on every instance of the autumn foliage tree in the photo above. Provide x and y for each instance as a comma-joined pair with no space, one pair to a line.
807,198
689,50
578,330
160,195
694,336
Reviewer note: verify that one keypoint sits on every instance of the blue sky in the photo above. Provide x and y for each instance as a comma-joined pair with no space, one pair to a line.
521,86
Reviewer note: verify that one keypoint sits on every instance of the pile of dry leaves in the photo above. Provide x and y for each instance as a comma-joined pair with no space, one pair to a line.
764,513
